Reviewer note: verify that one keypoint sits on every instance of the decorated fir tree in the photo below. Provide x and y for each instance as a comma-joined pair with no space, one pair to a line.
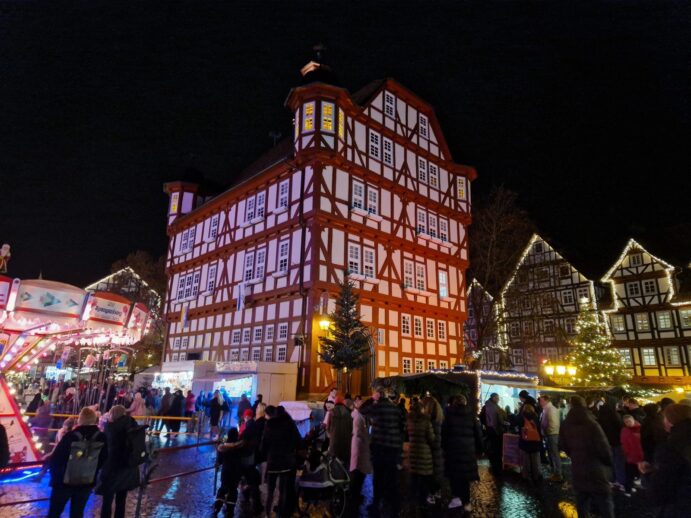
598,364
347,343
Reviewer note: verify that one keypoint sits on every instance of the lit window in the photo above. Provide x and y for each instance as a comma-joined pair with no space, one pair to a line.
433,175
374,145
408,274
282,331
405,324
281,353
649,287
460,188
648,357
424,126
419,366
441,330
256,354
389,104
432,225
443,364
443,284
261,203
236,336
635,260
685,318
625,357
181,287
257,334
372,200
358,201
268,354
420,277
430,329
618,323
341,124
567,297
244,355
633,289
269,333
417,326
283,249
421,221
422,170
283,194
308,117
443,229
249,208
388,151
407,366
328,117
672,357
664,320
642,322
583,293
234,355
249,265
213,226
431,365
368,263
259,264
211,278
246,335
353,258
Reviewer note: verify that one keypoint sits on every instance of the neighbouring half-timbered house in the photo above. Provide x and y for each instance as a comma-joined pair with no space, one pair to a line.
649,317
540,305
365,184
480,330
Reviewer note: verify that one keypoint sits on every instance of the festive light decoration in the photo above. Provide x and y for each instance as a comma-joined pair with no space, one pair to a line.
597,362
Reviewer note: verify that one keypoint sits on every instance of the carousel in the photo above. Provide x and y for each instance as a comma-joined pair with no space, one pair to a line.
43,321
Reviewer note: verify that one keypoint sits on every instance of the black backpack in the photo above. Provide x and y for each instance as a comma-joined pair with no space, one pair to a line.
136,445
82,463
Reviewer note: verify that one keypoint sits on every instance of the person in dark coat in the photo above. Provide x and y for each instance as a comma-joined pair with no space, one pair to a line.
340,430
591,459
421,437
117,477
461,441
35,403
433,409
231,473
77,495
166,401
256,403
279,444
4,448
176,409
529,442
670,474
611,423
243,404
217,406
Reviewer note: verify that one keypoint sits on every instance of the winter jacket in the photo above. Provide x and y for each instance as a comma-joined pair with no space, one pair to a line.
494,417
437,453
259,425
653,435
359,445
166,400
61,453
177,406
461,442
611,424
421,437
631,444
671,480
387,422
340,432
582,438
190,403
529,446
215,409
243,404
137,408
550,420
280,443
116,474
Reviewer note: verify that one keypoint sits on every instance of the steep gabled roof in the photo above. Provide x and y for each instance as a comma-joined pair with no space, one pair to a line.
633,245
474,284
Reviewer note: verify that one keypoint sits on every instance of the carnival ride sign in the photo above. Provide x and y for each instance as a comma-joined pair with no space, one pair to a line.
110,309
50,297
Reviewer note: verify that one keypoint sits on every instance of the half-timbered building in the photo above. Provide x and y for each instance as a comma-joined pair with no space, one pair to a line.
540,305
649,317
366,184
480,330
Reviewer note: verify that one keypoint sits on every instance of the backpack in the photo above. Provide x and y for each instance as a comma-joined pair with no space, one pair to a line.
135,445
82,463
529,431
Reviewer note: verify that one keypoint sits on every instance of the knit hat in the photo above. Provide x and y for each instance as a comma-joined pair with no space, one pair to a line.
248,413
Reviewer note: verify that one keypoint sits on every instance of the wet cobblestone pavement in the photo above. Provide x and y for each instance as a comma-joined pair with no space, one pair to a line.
191,496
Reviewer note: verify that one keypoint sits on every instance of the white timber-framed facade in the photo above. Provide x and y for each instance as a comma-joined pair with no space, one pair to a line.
365,184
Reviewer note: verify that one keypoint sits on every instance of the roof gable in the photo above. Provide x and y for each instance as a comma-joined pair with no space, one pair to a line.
632,248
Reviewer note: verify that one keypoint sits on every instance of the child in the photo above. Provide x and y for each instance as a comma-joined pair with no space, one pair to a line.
231,472
633,451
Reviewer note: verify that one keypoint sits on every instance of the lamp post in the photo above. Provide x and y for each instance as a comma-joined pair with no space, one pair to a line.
562,374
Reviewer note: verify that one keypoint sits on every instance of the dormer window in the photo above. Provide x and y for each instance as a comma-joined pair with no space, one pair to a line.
308,117
389,104
635,259
327,117
423,123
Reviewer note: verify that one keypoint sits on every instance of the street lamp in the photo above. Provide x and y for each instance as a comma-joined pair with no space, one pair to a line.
560,373
324,324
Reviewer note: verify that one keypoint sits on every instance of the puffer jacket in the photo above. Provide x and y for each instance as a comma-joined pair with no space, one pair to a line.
116,474
340,432
421,436
461,440
280,443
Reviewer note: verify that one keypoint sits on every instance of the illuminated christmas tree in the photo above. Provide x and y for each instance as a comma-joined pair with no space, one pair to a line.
598,364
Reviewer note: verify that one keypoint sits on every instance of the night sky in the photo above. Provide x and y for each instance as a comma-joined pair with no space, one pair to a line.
581,107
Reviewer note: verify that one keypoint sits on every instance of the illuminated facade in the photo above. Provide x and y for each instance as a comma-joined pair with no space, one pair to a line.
540,305
365,184
649,317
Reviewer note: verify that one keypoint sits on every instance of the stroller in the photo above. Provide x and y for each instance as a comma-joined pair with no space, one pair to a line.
323,479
